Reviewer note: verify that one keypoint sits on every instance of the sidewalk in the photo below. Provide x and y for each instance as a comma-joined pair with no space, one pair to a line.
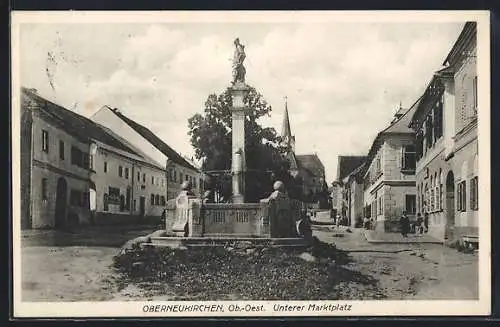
396,238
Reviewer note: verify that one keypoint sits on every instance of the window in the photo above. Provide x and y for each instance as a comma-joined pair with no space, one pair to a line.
157,199
44,188
201,183
126,172
120,171
419,144
114,191
408,157
187,177
175,176
163,202
474,204
144,177
152,180
368,211
411,203
105,167
138,176
474,93
428,131
79,158
438,119
180,177
45,141
61,150
461,197
194,182
152,199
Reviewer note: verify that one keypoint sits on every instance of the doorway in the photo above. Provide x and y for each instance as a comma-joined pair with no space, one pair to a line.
61,201
450,205
142,206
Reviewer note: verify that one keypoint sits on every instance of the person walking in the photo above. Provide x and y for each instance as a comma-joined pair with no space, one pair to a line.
426,222
404,221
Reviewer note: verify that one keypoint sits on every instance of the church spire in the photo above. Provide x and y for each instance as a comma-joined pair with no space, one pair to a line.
286,131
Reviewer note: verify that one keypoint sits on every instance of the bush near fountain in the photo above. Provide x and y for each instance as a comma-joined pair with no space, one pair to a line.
246,271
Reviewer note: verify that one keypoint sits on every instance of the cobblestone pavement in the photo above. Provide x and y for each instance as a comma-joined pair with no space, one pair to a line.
409,271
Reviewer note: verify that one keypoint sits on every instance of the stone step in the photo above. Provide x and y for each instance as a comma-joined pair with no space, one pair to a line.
214,241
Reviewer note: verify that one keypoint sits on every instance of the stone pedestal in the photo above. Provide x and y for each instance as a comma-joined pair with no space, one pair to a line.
238,164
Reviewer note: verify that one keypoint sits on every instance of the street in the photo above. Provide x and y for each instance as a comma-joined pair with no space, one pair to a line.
59,266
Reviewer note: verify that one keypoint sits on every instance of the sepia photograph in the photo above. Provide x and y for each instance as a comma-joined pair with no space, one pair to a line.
250,163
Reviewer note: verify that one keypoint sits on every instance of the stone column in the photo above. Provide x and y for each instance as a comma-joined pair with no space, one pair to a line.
238,164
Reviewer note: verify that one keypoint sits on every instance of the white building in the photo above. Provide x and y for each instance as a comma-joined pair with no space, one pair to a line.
178,168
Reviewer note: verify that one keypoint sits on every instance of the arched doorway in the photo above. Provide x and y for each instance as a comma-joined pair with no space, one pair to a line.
61,201
450,204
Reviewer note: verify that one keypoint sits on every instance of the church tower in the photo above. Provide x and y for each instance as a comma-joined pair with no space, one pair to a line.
286,131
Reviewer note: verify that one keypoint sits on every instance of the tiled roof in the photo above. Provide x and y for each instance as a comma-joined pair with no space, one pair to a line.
78,124
312,163
144,157
155,141
347,164
401,125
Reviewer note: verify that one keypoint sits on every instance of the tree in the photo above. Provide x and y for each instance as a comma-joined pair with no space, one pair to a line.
211,134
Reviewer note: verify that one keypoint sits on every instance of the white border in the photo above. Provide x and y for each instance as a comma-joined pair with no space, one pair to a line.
359,308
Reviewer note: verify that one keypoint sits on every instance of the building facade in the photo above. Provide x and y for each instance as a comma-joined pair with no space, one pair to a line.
55,167
128,186
336,198
389,178
347,165
75,171
177,168
447,148
353,199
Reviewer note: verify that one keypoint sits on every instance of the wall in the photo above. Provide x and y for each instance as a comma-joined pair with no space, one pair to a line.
465,167
393,203
392,157
103,180
146,189
464,98
356,195
174,172
43,211
26,162
107,118
49,165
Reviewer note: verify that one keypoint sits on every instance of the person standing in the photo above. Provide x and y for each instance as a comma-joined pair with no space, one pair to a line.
426,222
405,224
420,229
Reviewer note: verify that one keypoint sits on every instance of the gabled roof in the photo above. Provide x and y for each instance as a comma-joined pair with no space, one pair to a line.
144,157
466,34
79,125
398,126
311,163
155,141
347,164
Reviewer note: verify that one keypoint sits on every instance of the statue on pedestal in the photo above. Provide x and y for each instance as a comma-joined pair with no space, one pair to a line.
239,70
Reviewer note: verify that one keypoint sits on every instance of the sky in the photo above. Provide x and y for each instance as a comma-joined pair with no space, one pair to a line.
343,80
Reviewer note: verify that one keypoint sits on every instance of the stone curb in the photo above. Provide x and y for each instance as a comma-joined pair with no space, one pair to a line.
369,239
